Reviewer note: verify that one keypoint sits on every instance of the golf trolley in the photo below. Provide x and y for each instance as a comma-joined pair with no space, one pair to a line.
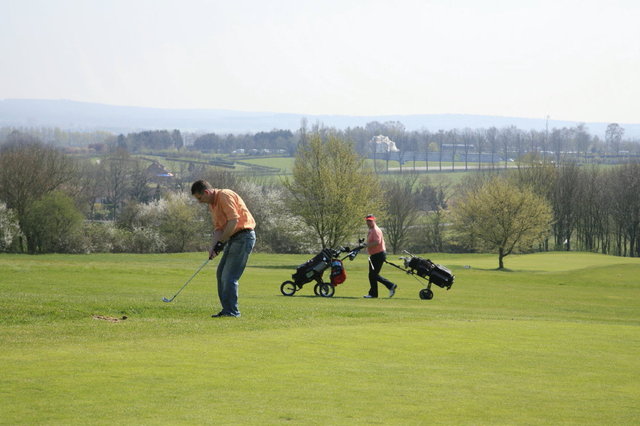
426,269
313,270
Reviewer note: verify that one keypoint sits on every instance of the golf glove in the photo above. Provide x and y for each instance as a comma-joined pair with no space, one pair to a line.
218,247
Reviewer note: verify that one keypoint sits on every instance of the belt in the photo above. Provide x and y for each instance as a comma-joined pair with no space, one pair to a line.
242,231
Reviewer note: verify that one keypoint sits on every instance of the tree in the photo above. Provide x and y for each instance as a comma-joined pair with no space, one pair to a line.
139,186
468,137
625,210
401,210
492,139
331,188
502,217
117,179
613,136
88,187
178,141
9,227
30,169
52,223
582,140
593,212
565,203
280,230
177,223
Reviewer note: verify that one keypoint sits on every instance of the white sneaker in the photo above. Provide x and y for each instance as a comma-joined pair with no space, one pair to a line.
392,290
368,296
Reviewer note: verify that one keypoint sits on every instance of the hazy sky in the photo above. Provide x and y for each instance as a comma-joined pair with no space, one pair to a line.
573,60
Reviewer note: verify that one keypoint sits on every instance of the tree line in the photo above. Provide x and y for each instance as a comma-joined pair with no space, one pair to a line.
52,202
464,145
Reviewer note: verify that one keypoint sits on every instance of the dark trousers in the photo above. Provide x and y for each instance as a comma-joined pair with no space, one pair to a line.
375,265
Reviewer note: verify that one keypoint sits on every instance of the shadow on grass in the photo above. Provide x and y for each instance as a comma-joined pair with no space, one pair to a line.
311,296
294,267
494,269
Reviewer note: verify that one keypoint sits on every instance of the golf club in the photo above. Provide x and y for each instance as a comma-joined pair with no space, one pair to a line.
164,299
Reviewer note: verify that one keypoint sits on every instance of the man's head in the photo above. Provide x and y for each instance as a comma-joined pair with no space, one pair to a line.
198,190
371,220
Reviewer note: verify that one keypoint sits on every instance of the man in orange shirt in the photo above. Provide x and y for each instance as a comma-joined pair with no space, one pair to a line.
233,235
377,255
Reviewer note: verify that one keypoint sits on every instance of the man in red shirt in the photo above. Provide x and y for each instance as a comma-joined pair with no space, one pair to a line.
233,235
377,255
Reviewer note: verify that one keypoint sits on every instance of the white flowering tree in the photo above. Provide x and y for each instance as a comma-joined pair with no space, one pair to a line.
9,227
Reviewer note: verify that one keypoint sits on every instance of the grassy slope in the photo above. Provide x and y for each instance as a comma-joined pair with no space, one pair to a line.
554,340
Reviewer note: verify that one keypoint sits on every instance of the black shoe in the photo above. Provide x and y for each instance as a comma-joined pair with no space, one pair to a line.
222,314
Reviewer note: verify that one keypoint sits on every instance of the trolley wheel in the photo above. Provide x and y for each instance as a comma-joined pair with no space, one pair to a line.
426,294
316,289
288,288
327,290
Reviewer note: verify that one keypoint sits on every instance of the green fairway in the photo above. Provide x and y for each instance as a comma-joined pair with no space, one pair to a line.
553,340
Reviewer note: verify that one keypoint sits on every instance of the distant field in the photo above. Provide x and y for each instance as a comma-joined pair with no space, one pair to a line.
553,340
285,164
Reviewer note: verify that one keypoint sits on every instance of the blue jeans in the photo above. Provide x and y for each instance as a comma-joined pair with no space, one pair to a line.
230,269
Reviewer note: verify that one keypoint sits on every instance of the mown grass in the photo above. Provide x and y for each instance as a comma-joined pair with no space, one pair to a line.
553,340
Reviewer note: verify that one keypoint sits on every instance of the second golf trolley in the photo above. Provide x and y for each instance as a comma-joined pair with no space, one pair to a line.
313,270
426,269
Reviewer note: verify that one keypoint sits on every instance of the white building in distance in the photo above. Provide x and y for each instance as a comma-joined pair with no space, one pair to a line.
382,144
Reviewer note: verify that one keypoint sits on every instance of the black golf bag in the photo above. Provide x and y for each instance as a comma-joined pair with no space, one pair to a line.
312,268
437,274
426,269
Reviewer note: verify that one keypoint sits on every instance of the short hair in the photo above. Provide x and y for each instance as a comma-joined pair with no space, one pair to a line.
199,186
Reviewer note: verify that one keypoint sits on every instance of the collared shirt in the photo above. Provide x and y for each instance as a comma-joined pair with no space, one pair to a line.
375,235
226,206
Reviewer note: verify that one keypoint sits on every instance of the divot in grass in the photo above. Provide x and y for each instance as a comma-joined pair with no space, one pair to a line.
109,319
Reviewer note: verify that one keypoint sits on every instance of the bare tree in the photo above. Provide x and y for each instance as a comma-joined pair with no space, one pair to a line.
613,137
506,137
401,210
88,186
482,138
117,179
626,209
492,139
593,214
452,137
582,140
426,152
468,137
559,141
30,169
139,187
441,139
565,204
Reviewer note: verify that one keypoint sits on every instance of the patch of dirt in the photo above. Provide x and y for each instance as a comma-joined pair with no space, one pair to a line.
109,319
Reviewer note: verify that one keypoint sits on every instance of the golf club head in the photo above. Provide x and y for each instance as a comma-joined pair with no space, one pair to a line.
164,299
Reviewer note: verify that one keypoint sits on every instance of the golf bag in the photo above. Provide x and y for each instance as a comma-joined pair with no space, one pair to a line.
426,269
437,274
313,269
